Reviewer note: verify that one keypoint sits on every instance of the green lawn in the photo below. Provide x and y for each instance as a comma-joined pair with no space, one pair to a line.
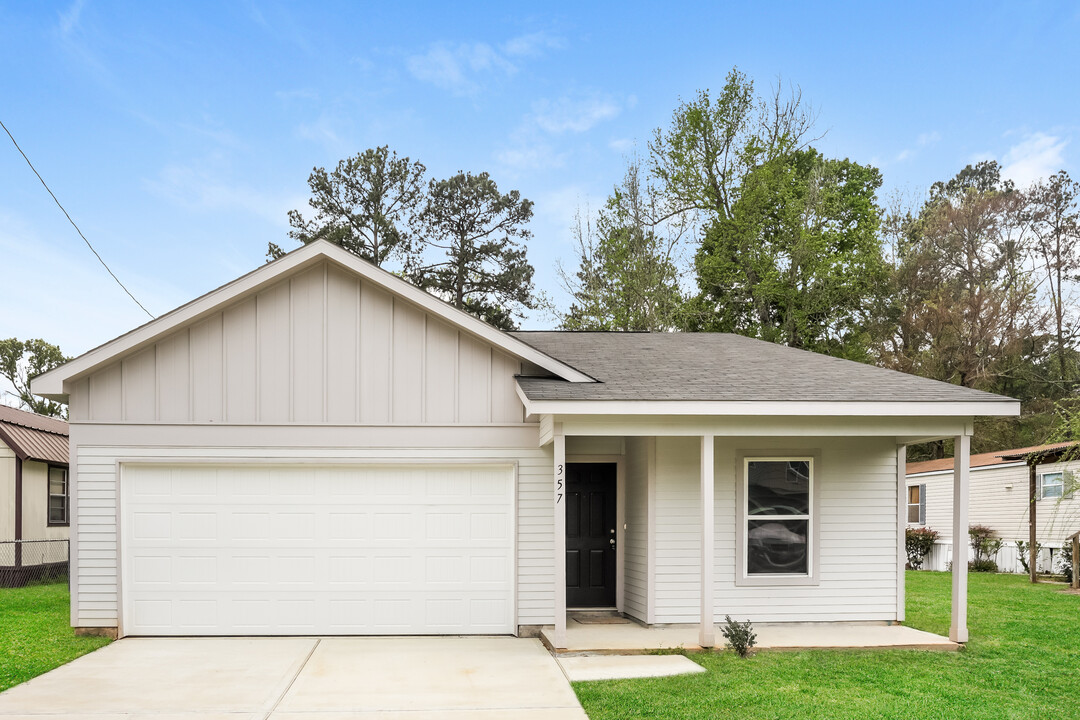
35,632
1023,662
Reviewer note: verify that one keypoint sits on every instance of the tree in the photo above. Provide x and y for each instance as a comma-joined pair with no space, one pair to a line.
701,160
21,361
627,278
364,205
797,258
1055,212
482,232
963,298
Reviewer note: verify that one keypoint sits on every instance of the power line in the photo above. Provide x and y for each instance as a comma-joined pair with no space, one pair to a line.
43,183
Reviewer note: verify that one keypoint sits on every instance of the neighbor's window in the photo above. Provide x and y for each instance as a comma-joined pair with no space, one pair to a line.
916,504
1053,485
778,511
58,496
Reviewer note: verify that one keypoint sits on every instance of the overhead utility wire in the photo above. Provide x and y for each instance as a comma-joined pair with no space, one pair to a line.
43,183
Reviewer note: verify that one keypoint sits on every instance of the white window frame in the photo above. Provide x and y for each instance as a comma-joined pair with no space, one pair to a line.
742,576
1060,483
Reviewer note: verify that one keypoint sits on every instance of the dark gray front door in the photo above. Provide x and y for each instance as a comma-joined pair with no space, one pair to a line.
590,535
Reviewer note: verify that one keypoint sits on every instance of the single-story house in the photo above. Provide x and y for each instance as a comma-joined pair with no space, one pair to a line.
33,494
320,447
1000,495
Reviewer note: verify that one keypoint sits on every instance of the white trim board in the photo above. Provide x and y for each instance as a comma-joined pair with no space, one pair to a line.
1006,408
931,473
51,384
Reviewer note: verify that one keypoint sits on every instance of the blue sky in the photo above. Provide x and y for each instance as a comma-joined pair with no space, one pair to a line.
178,136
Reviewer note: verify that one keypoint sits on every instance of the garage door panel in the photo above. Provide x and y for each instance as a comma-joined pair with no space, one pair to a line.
362,550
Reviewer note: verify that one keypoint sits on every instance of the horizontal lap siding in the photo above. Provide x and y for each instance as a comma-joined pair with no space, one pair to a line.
97,561
1005,509
856,543
636,537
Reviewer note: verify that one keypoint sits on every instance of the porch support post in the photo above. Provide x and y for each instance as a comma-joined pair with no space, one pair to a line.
1033,555
559,498
901,530
707,634
958,631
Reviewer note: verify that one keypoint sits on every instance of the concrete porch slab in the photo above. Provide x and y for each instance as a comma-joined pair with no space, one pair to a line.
634,638
579,668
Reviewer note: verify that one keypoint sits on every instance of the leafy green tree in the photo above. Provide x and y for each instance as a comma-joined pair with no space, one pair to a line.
364,205
21,361
479,235
797,257
627,278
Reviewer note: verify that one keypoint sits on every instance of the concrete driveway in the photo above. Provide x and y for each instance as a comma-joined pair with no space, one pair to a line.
303,679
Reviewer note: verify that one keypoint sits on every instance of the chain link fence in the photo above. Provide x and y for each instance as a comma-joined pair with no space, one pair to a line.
25,562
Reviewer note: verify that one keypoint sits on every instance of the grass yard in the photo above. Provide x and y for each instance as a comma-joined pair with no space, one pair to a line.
35,632
1023,662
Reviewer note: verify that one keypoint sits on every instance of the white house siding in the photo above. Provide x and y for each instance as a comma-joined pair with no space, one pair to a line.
994,503
319,347
636,536
998,499
857,513
101,449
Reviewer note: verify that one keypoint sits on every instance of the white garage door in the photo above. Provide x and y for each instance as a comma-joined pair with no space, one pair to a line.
317,550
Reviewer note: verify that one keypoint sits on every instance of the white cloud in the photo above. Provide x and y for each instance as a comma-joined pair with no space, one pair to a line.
928,138
201,186
458,68
1037,156
622,145
69,19
567,114
532,44
531,156
903,155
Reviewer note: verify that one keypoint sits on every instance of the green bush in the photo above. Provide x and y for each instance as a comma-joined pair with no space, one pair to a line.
1022,550
740,636
1068,562
986,544
920,541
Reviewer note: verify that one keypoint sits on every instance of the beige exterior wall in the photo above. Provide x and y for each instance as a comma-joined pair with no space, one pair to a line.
36,504
999,499
856,539
320,347
7,496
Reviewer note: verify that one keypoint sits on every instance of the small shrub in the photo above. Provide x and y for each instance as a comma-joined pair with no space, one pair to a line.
1023,549
986,544
1067,561
920,541
740,636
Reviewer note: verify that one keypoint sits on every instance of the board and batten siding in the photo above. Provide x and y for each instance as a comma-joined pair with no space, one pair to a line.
322,346
999,499
857,515
96,588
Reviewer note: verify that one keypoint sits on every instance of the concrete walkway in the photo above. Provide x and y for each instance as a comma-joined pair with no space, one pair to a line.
409,678
630,637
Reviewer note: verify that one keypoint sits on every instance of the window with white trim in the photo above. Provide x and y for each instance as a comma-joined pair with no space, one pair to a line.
916,505
1051,485
778,512
58,495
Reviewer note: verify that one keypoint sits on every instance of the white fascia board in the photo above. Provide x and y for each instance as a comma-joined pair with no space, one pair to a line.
932,473
51,384
1007,408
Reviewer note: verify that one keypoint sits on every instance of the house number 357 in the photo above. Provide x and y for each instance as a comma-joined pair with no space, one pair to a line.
558,484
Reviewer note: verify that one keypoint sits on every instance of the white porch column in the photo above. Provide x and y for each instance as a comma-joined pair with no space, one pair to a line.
958,631
707,634
901,531
559,498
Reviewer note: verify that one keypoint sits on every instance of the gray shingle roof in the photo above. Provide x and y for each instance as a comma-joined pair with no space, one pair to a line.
720,367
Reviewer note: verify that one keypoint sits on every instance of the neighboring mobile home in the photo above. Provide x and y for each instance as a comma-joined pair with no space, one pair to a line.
999,499
321,448
33,495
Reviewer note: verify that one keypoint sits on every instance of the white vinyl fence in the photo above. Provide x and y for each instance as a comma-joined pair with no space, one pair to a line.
1007,559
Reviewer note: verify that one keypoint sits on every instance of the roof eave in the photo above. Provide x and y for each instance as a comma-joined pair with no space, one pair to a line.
984,408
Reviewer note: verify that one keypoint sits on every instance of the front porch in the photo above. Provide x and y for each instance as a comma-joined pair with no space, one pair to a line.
631,638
